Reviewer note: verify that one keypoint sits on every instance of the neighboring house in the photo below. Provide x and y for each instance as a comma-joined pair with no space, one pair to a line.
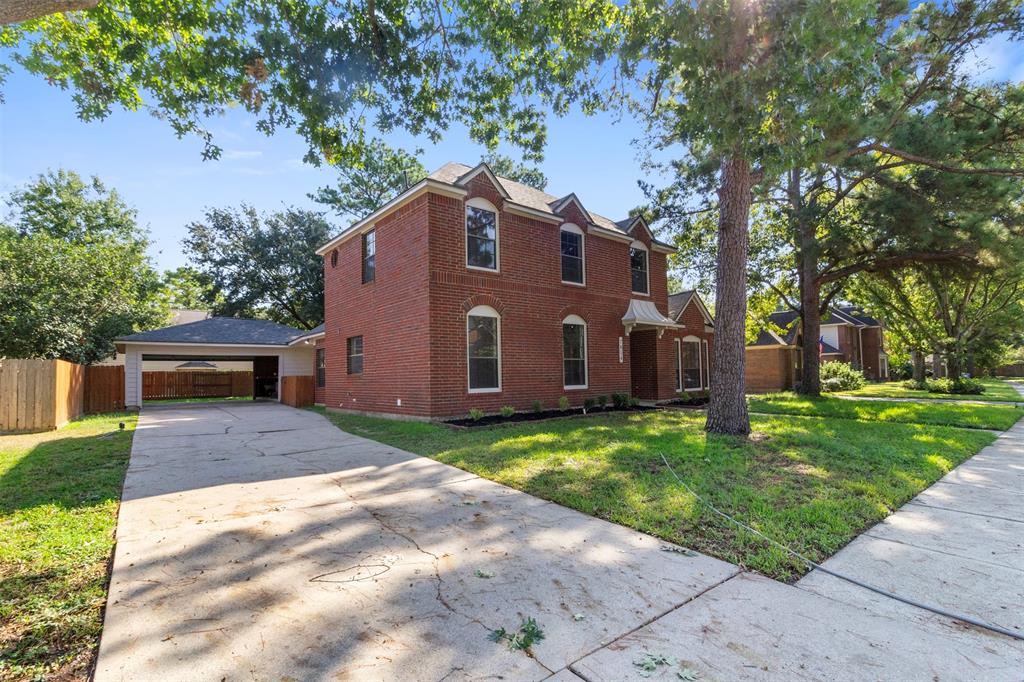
848,335
474,291
197,366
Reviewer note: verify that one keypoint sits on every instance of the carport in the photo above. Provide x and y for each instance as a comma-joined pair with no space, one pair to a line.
282,357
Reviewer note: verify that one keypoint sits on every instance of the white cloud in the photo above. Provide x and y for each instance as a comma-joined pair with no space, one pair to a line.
236,154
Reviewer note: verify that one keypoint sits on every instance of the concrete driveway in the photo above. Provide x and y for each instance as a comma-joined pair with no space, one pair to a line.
256,541
259,542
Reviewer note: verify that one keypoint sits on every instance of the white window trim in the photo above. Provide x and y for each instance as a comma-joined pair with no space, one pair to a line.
679,366
700,363
637,244
574,229
706,376
484,311
480,202
576,319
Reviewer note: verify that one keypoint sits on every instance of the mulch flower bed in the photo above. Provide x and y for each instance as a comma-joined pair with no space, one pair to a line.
693,403
497,419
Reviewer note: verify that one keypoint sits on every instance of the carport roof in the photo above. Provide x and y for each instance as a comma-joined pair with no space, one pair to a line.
221,331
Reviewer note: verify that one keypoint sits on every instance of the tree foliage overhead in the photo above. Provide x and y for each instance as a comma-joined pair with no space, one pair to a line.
364,187
507,167
328,69
75,271
262,266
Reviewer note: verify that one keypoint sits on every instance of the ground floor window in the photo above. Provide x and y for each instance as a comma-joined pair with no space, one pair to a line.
691,365
483,349
355,355
574,352
321,367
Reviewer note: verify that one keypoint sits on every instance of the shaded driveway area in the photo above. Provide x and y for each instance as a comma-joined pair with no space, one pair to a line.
259,542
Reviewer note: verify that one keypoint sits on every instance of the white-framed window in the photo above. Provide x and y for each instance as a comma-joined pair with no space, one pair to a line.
483,349
574,352
690,365
481,235
573,255
638,268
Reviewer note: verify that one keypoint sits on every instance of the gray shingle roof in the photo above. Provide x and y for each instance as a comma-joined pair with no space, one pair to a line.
221,330
452,172
676,302
857,313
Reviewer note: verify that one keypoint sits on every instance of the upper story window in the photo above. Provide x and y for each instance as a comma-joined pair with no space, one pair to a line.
483,349
321,367
574,352
638,268
369,256
355,355
572,255
481,234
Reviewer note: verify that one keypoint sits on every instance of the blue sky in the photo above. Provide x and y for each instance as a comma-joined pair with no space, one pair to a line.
168,182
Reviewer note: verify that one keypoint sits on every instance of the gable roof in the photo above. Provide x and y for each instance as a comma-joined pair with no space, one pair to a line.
221,331
858,314
452,177
196,364
677,304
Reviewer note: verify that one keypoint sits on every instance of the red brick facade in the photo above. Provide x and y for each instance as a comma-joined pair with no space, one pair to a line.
413,316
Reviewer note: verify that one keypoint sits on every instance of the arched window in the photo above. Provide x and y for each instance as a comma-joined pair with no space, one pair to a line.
574,352
573,255
483,349
481,234
690,365
638,267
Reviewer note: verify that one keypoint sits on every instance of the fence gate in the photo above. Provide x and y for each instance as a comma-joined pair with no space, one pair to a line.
171,385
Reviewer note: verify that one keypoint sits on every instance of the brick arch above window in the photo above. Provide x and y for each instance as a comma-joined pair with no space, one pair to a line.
483,299
571,309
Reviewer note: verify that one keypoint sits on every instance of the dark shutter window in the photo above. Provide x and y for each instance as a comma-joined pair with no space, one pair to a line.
334,258
321,368
574,354
481,238
679,366
355,355
369,256
638,268
482,338
691,364
572,257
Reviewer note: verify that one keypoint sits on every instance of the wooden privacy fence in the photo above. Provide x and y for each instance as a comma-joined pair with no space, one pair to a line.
39,395
104,388
171,385
1016,370
297,391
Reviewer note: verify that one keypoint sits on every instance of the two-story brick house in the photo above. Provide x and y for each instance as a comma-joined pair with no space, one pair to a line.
848,334
474,291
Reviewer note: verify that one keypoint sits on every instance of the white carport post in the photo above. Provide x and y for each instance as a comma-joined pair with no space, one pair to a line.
132,377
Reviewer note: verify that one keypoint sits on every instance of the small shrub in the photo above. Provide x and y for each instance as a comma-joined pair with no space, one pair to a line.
602,400
955,386
476,414
620,399
507,411
633,402
537,406
589,403
840,376
563,403
915,385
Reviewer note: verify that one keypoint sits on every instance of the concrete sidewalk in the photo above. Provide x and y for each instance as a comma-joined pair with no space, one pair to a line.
260,542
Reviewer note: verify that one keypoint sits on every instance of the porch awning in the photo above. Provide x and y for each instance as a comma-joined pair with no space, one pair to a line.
644,315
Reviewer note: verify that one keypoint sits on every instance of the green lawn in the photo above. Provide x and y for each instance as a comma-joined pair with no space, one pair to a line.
59,494
999,417
810,482
995,389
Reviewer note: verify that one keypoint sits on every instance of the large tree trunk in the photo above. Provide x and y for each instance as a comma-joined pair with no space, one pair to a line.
917,358
15,11
810,291
953,366
727,409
